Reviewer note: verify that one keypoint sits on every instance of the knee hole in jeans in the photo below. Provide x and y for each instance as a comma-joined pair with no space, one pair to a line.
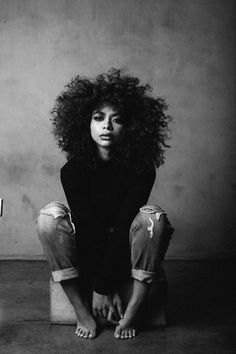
46,225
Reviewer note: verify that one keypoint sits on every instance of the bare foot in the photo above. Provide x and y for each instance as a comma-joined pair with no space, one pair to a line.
127,326
86,324
125,329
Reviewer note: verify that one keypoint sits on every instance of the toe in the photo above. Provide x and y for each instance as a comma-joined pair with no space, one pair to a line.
93,333
128,334
85,333
117,332
80,333
122,335
77,330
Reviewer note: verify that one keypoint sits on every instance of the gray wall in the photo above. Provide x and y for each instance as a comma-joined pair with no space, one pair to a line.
183,48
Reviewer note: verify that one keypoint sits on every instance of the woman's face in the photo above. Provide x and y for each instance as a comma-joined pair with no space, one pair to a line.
106,126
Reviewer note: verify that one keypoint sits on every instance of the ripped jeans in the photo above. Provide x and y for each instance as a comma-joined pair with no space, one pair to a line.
149,236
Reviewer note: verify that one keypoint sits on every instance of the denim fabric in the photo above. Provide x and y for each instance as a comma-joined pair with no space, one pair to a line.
149,237
56,233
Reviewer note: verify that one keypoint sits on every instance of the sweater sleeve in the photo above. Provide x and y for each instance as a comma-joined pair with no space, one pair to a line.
75,184
140,187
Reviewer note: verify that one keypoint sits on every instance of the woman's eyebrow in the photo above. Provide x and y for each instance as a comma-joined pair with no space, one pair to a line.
102,113
115,114
99,112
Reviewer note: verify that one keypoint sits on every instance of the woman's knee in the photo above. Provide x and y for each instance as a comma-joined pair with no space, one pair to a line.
149,239
150,220
46,226
49,218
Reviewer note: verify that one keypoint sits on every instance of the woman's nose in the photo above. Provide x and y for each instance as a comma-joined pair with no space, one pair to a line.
107,125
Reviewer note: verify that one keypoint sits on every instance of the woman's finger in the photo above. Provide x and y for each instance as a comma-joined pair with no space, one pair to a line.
95,313
110,317
105,312
120,310
100,313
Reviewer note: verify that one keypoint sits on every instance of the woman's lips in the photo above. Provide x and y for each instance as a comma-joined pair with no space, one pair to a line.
106,137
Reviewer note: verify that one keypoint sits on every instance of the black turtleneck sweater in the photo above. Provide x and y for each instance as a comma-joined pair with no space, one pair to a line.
101,199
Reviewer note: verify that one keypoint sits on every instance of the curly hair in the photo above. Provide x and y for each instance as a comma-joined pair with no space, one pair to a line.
145,119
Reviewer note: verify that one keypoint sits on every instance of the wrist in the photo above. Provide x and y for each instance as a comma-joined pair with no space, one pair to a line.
103,287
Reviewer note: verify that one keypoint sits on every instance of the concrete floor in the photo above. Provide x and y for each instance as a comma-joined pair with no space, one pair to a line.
201,316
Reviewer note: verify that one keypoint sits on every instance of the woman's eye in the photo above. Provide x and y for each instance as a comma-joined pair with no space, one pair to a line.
97,117
118,120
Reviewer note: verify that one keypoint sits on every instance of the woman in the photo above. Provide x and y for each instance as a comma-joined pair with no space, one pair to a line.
113,133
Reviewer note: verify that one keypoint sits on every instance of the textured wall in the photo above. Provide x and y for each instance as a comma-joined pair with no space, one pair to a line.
184,48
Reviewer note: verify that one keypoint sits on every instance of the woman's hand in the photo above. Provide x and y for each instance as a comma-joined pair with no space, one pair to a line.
117,303
103,307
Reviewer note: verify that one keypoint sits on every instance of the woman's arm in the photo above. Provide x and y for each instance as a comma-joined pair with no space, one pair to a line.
140,187
74,180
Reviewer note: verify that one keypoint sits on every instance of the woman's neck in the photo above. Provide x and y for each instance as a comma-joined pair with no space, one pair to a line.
104,154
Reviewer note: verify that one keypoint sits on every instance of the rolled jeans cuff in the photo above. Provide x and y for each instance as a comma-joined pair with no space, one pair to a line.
143,275
65,274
